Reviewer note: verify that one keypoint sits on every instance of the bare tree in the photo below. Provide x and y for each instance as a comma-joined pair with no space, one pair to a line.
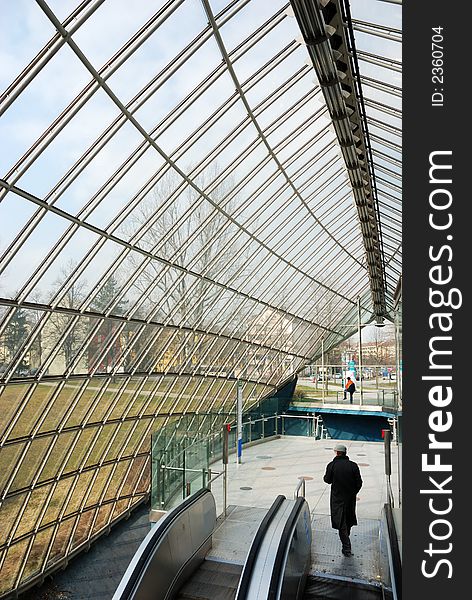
58,323
105,297
34,317
189,232
14,337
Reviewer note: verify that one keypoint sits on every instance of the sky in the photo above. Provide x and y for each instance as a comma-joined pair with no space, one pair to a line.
27,121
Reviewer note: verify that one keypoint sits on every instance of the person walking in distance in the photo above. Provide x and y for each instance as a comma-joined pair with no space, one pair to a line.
345,479
349,387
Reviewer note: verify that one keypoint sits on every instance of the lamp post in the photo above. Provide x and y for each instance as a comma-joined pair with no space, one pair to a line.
322,373
239,411
360,345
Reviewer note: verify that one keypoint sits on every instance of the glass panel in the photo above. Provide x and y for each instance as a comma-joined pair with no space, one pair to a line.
81,484
37,555
15,557
82,530
57,500
61,540
61,402
11,508
34,508
186,230
30,462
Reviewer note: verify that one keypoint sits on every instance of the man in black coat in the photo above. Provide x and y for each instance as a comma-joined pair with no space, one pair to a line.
345,479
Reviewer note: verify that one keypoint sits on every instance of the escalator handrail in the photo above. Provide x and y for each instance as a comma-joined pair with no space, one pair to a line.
395,551
159,532
285,541
246,575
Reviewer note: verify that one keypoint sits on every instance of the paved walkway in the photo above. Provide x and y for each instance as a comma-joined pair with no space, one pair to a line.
275,467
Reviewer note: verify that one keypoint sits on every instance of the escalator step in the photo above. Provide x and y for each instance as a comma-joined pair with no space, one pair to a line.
221,567
207,592
318,588
212,581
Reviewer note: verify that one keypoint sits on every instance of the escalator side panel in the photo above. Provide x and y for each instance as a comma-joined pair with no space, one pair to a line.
282,557
297,558
163,562
255,547
262,570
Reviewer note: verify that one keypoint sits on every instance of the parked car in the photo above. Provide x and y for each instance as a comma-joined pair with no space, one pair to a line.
22,371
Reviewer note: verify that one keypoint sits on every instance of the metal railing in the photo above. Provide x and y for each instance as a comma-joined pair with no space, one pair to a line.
183,464
383,398
300,489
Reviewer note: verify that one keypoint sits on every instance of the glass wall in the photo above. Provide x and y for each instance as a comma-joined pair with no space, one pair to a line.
178,213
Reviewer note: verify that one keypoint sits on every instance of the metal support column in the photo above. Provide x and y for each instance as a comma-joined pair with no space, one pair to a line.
239,411
360,347
322,373
226,430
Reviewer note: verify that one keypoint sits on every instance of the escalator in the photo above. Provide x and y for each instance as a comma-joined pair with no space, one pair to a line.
279,558
174,561
212,579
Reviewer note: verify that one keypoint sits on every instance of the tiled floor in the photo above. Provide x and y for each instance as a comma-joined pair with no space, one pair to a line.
290,458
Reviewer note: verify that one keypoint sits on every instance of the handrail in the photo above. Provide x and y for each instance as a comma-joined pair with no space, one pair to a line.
246,575
396,565
278,570
136,571
212,479
278,561
301,484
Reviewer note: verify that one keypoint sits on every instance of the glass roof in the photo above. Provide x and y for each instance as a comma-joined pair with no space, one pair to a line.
175,194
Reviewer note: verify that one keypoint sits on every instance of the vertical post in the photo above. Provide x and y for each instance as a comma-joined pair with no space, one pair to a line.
263,427
322,372
226,430
239,411
388,463
397,359
399,459
360,346
276,424
184,489
162,484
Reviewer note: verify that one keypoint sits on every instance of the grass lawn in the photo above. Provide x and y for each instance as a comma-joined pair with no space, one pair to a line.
55,432
305,391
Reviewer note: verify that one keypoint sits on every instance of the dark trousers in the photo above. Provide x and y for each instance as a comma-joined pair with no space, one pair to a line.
344,532
350,396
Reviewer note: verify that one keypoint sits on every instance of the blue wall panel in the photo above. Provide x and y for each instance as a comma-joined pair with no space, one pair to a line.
353,427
